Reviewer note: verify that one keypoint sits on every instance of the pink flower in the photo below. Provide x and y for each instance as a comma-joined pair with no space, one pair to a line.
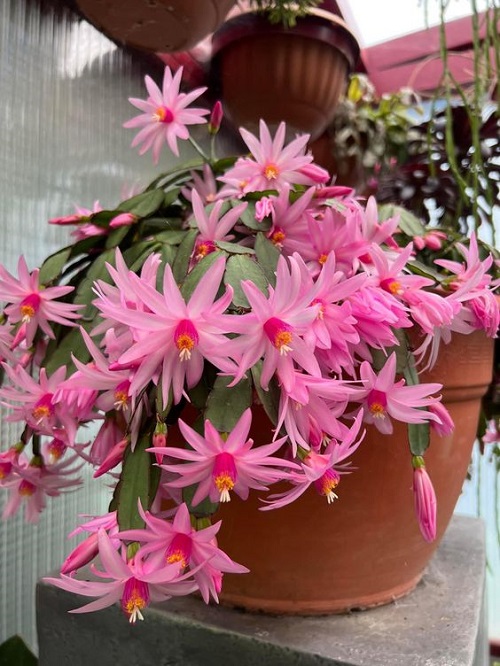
123,220
88,549
320,469
271,165
82,215
425,500
274,328
221,465
168,334
33,305
205,186
133,583
212,226
385,398
165,115
180,542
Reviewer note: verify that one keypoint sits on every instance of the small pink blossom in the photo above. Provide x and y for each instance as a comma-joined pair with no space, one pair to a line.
165,115
220,465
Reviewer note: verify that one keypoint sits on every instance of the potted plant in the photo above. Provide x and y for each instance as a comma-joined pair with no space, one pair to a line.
240,326
276,71
156,25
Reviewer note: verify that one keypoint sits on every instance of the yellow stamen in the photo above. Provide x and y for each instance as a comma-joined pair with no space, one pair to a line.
278,237
282,342
322,259
185,344
134,606
377,410
177,556
41,412
224,484
121,400
271,171
28,312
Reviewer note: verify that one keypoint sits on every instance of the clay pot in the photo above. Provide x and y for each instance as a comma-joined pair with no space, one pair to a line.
156,25
297,75
366,548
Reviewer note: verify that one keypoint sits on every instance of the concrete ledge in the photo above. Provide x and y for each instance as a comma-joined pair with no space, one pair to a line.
441,623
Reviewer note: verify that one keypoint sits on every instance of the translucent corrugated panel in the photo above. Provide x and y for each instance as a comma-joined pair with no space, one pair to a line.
63,92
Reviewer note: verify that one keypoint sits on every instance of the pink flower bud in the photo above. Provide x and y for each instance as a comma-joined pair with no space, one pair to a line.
445,426
114,457
81,555
425,500
315,173
123,220
215,118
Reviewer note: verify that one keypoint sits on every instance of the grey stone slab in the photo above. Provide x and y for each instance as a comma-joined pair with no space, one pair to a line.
440,624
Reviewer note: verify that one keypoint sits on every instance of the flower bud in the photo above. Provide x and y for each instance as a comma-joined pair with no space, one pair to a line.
425,499
215,118
123,220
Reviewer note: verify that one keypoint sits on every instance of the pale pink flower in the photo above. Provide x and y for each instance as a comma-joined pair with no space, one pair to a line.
32,483
133,583
170,337
271,164
212,226
322,470
165,115
290,229
425,500
274,328
492,434
221,465
385,398
33,305
205,186
178,541
445,425
38,406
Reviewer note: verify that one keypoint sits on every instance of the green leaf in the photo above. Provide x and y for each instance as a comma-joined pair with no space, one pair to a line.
138,481
419,437
52,267
196,275
171,236
96,271
161,224
116,236
234,248
270,399
203,508
409,223
248,218
171,195
242,267
181,262
59,352
225,405
419,268
15,652
267,255
143,205
379,356
136,255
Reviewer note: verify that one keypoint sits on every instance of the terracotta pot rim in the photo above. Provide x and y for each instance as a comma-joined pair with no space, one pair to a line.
318,25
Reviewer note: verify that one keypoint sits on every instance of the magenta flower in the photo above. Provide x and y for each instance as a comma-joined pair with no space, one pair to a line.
33,305
178,541
221,465
165,115
385,398
425,500
133,583
272,165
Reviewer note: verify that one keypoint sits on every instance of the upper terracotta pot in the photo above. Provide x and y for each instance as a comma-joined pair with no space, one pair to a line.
156,25
297,75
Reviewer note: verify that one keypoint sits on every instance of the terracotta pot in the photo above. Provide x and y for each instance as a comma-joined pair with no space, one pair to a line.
297,75
156,25
366,548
